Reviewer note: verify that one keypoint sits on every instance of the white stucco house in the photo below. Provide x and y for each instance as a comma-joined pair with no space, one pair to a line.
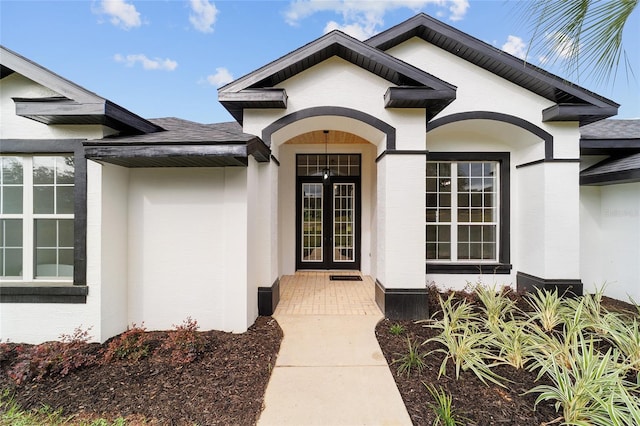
420,155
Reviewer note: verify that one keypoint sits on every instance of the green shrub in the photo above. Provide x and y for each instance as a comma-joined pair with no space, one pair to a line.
396,329
442,407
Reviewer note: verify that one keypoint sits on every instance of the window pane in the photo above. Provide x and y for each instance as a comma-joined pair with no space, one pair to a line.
43,170
46,233
64,200
432,169
65,232
489,233
445,215
445,169
488,251
64,170
431,250
12,199
463,251
43,199
11,171
445,200
11,232
431,215
13,262
444,251
432,185
46,263
432,200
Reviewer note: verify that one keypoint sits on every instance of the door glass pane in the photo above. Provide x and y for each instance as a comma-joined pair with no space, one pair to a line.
343,222
312,204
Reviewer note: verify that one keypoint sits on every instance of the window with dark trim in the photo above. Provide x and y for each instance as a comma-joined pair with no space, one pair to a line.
467,213
43,222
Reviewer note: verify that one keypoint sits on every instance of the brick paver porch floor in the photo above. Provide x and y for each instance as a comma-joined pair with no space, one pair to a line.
313,293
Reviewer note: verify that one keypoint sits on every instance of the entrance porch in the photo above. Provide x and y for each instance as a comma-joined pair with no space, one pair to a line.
314,293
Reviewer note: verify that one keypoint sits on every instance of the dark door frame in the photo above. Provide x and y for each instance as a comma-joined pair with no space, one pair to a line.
328,226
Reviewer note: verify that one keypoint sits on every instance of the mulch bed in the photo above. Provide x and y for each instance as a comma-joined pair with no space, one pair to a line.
479,404
224,386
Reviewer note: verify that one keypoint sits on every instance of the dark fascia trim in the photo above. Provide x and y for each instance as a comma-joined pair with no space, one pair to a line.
332,44
402,303
344,46
468,268
608,146
504,159
165,151
335,111
275,160
63,146
612,178
44,294
497,116
401,152
510,67
583,113
66,111
268,298
432,100
259,150
530,283
553,160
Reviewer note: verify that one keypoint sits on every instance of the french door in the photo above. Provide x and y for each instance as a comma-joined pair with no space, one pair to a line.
328,217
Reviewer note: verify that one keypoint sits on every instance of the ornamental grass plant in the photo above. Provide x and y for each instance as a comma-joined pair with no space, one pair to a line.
587,359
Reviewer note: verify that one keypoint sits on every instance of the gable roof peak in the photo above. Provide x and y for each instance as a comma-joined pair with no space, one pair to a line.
573,102
81,106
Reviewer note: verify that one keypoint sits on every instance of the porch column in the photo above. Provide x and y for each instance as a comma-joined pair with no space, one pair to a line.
267,233
549,228
400,283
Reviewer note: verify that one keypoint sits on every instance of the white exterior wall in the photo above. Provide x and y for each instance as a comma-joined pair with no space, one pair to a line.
187,247
478,89
107,246
610,250
401,226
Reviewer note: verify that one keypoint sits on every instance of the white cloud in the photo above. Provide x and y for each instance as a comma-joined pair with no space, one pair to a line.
563,45
121,13
362,18
515,46
203,15
355,30
147,64
220,78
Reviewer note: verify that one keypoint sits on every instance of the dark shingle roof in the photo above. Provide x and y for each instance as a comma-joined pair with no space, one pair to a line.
179,131
610,137
611,129
183,143
613,171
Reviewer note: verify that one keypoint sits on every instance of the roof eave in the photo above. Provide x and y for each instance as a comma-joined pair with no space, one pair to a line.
583,113
510,67
56,111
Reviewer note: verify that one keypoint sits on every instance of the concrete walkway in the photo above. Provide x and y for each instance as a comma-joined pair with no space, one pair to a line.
330,371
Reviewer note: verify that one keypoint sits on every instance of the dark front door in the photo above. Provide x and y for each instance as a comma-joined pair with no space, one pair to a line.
328,213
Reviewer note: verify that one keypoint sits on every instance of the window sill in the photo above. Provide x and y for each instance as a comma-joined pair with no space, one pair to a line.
37,292
468,268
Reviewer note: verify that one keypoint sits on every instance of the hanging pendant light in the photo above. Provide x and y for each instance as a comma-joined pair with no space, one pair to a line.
326,172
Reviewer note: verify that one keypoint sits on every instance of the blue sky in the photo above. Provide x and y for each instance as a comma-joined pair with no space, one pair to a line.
166,58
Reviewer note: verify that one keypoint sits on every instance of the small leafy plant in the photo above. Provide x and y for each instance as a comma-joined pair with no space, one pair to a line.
133,345
184,344
442,407
396,329
413,359
34,362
